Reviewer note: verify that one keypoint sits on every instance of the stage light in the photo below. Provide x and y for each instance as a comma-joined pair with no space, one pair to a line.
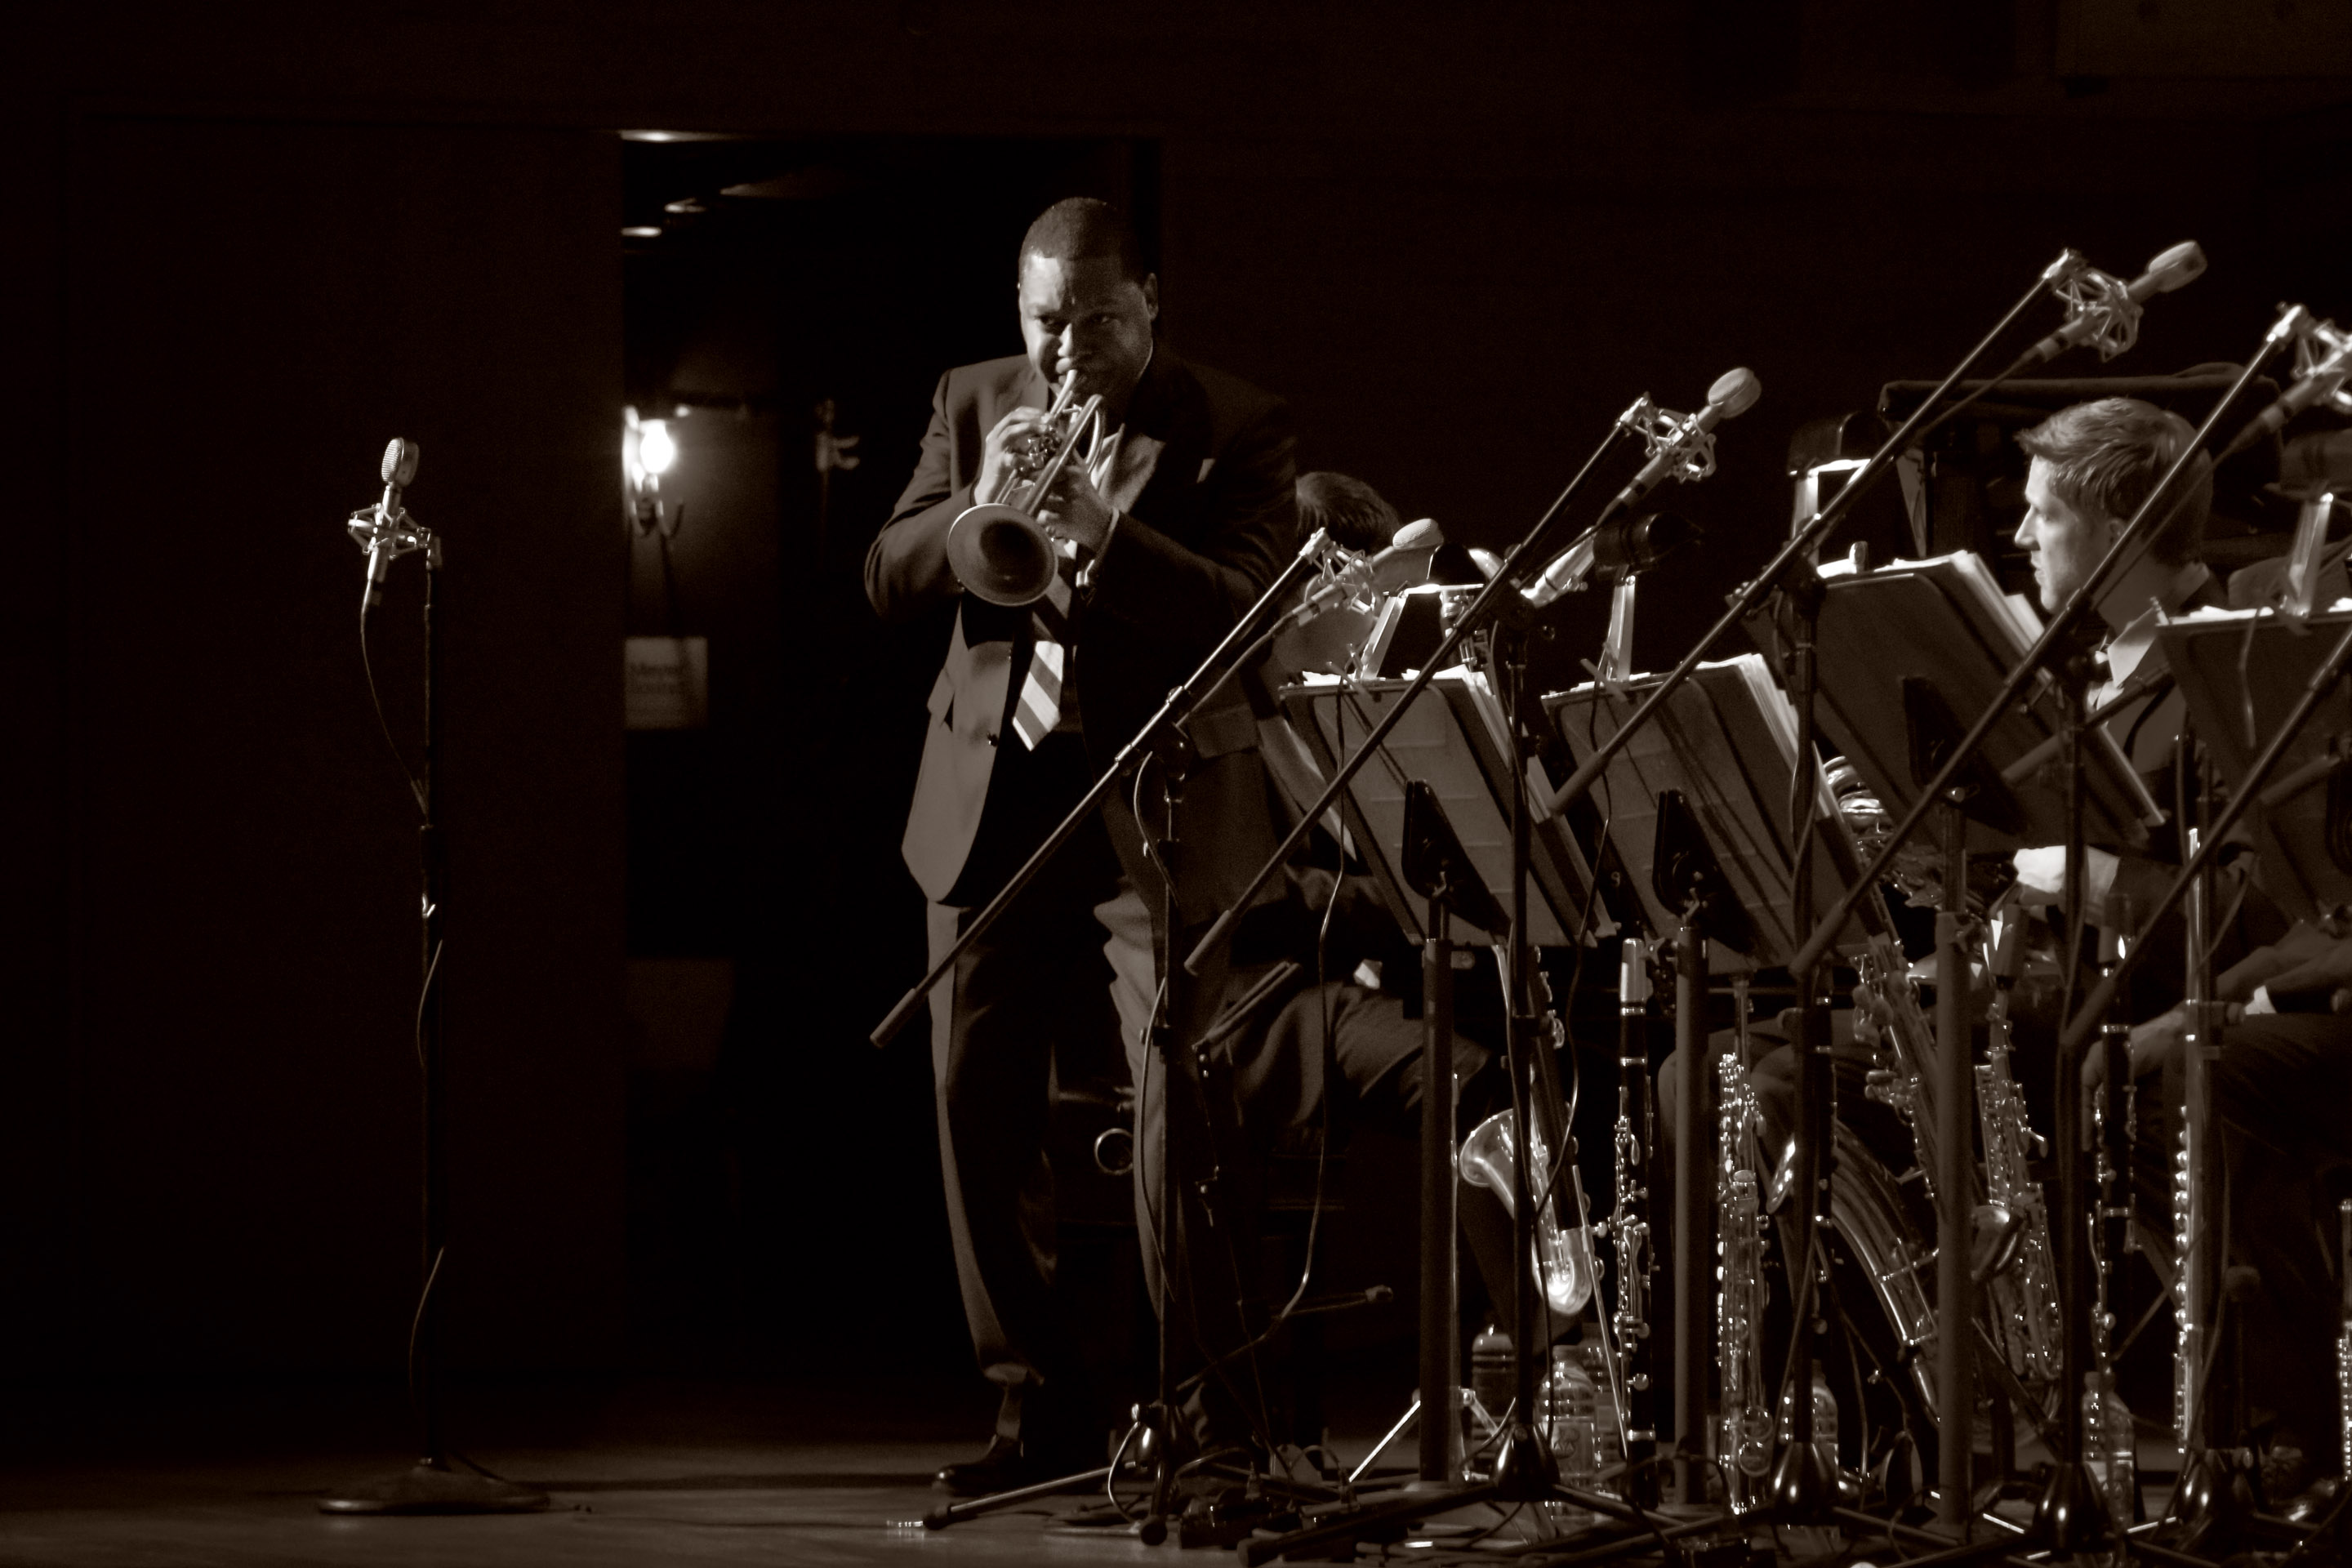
642,231
648,451
657,448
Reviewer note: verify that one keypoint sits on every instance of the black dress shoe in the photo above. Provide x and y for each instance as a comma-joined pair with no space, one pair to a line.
1000,1469
1009,1463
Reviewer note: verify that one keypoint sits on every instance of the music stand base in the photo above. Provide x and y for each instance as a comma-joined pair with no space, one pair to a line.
426,1486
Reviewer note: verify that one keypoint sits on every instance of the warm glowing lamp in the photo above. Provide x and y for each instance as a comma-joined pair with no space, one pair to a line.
657,448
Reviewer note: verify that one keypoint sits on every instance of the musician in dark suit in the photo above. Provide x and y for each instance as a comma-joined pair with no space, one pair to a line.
1174,514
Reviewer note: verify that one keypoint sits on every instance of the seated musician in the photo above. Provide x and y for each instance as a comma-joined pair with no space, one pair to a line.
2092,465
2283,1084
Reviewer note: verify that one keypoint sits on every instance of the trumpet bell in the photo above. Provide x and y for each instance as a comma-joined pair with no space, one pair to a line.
999,553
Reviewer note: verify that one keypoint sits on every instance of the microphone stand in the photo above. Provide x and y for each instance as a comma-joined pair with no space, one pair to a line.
1149,1437
430,1486
1817,530
2070,1516
2030,669
1503,582
1180,704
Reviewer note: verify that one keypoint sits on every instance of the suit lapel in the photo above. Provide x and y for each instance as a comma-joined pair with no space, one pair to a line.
1149,419
1139,457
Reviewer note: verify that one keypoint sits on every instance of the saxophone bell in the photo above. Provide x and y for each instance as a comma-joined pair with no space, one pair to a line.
1564,1256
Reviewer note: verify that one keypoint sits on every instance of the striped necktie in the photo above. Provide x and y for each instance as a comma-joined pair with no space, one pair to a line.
1039,709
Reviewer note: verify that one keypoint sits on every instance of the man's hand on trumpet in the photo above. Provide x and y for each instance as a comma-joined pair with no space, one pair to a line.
1074,512
1001,455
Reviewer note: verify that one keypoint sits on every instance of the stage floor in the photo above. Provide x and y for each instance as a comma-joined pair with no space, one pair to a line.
638,1474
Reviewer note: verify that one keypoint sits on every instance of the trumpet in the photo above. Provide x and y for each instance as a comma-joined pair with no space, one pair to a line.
997,550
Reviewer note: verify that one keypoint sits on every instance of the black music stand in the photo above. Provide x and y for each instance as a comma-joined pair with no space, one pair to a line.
1446,844
1452,739
1462,846
1438,869
1903,651
1695,805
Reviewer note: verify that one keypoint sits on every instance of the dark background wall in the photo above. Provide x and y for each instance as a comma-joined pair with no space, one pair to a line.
248,245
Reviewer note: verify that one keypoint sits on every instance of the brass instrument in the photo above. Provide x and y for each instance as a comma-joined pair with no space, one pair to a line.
1745,1439
997,550
1888,1018
1918,868
2021,1290
1563,1257
2019,1307
1866,1210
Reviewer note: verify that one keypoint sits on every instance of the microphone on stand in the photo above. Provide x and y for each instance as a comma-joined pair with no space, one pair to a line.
1401,564
2323,362
1688,452
1683,449
1406,560
2105,311
379,529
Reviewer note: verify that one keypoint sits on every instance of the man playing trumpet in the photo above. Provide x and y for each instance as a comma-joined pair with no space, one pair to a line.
1167,521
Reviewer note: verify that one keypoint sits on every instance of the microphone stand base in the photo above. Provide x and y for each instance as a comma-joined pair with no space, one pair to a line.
2072,1517
1525,1470
432,1487
2217,1497
1802,1489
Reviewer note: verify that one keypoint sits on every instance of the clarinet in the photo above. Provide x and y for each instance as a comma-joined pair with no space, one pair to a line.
1636,1142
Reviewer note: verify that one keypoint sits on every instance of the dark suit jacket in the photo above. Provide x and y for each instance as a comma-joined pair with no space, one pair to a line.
1204,486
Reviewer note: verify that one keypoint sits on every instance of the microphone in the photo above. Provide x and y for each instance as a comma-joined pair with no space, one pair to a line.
1687,451
1683,449
2323,360
1407,559
1404,562
1638,543
2103,310
378,530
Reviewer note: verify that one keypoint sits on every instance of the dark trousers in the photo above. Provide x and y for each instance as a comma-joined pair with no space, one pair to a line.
1033,990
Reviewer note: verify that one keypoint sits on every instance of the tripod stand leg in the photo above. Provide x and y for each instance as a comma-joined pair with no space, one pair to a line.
951,1513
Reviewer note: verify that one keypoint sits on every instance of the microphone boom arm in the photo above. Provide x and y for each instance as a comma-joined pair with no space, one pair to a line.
1817,529
1504,581
2029,667
1181,701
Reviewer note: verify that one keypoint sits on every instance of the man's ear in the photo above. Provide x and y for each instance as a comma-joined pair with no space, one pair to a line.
1151,295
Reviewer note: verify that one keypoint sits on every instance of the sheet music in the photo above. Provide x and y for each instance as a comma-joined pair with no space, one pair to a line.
1944,620
1728,742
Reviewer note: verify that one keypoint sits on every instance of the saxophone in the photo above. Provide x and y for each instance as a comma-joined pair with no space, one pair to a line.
1744,1440
2021,1299
1888,1019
